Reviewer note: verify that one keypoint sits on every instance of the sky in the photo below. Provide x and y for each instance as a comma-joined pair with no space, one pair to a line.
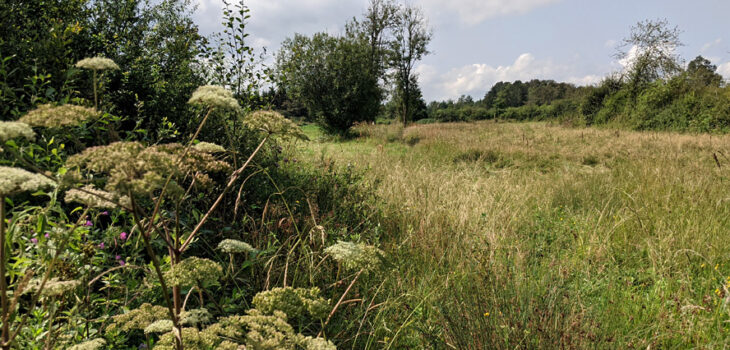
477,43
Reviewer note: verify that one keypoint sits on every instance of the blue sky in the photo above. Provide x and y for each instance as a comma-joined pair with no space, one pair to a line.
477,43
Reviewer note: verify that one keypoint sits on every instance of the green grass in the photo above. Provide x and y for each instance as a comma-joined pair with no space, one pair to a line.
507,235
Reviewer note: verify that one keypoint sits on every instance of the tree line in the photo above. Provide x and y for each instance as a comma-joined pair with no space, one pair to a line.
655,91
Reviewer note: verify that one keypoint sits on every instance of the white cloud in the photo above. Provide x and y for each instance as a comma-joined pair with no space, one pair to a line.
476,79
476,11
724,70
710,45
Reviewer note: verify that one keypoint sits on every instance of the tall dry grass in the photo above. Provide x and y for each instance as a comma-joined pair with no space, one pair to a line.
536,236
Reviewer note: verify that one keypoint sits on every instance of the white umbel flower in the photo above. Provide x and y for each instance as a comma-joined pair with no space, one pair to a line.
14,130
16,180
97,63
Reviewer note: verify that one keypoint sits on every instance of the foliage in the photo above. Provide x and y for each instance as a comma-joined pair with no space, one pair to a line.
331,76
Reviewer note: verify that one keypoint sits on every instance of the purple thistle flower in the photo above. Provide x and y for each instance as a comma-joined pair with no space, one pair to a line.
122,263
34,240
123,236
101,245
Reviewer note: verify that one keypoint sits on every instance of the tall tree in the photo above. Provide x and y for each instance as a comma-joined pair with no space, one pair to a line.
701,72
330,76
379,19
649,52
411,36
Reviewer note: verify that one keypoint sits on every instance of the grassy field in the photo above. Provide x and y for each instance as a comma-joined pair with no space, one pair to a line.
506,235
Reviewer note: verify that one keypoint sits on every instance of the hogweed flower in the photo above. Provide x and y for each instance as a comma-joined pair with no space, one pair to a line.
97,63
14,130
159,326
355,255
139,318
294,302
195,317
194,271
53,287
273,123
96,198
49,116
214,96
16,180
94,344
143,170
208,147
232,246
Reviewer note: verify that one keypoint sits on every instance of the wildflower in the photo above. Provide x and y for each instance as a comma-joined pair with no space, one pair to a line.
88,223
139,318
143,170
159,326
355,256
47,235
34,240
273,123
194,271
207,147
101,245
96,198
49,116
123,236
234,246
97,63
104,213
14,130
195,317
717,266
53,287
118,257
486,314
122,263
214,96
294,302
16,180
95,344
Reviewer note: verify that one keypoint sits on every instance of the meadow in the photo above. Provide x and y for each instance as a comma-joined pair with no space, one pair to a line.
534,235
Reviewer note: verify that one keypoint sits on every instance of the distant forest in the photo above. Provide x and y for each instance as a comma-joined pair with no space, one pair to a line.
695,99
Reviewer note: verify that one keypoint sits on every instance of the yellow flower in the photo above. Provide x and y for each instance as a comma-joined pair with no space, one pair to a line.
717,266
703,265
486,314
